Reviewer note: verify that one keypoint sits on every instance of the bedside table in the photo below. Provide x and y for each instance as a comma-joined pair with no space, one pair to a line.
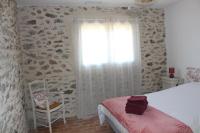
171,82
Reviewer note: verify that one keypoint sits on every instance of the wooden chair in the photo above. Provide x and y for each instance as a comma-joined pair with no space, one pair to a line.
38,89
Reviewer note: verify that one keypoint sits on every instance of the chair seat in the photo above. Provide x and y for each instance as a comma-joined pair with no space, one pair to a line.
54,106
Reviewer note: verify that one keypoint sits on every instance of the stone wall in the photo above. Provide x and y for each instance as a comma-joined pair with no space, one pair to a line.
153,50
12,113
46,38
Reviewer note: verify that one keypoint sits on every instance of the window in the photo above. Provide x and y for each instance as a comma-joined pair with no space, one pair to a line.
103,43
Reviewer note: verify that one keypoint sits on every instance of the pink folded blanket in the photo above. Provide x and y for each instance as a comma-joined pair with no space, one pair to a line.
152,121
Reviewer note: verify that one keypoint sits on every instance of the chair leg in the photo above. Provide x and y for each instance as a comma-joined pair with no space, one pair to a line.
34,120
64,115
49,121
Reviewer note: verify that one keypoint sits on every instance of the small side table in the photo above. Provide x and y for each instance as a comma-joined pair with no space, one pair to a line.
171,82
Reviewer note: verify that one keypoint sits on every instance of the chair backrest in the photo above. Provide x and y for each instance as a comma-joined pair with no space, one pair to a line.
37,86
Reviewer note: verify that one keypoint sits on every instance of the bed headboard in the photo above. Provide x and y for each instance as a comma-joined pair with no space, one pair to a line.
193,74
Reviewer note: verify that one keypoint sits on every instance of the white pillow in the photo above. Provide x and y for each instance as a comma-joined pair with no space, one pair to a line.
40,99
193,74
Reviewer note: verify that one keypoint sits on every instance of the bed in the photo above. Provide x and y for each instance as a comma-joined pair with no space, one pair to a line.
181,103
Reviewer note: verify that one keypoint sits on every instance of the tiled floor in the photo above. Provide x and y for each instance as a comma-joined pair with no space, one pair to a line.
78,126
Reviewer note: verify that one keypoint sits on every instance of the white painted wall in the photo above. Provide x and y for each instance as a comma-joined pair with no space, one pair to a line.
183,35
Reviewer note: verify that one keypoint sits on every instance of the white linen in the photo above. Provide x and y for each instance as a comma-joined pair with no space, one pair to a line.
99,78
104,113
180,102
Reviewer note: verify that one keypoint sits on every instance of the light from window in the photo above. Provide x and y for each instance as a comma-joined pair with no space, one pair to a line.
103,43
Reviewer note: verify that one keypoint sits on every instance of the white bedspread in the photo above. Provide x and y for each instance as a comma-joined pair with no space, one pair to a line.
182,103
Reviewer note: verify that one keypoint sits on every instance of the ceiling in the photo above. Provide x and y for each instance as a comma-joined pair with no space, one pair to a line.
111,3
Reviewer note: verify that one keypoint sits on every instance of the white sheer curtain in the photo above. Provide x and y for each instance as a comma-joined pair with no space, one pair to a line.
108,61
